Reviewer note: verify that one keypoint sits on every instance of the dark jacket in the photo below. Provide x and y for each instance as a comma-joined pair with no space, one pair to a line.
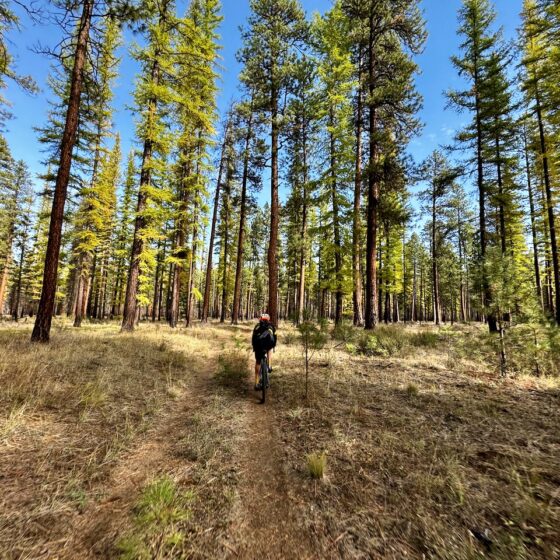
264,337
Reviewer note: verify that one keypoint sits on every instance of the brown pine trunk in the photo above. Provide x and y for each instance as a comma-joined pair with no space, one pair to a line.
487,299
550,210
243,212
336,228
371,317
357,219
41,330
272,256
192,265
208,284
435,272
130,312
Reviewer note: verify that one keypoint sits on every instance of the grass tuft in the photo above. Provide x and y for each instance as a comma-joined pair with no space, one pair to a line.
317,465
411,390
161,509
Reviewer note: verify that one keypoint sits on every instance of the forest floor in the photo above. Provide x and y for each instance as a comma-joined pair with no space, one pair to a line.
154,445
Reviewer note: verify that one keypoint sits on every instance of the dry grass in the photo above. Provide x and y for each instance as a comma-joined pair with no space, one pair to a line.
430,453
426,460
71,410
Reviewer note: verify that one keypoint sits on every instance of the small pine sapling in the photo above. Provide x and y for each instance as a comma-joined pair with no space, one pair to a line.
313,339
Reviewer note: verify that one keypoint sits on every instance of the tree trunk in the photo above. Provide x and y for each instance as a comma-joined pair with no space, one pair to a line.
357,218
371,317
41,330
492,322
534,237
550,210
243,212
272,256
336,227
208,284
130,312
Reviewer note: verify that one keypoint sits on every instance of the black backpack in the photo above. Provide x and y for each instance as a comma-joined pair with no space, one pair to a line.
266,339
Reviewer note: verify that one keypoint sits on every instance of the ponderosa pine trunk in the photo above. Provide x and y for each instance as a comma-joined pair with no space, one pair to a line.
208,283
336,227
42,328
371,317
357,218
242,215
272,256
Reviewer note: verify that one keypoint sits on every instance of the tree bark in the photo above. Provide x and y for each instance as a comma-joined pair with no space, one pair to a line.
42,328
243,212
357,219
371,318
550,209
272,256
208,283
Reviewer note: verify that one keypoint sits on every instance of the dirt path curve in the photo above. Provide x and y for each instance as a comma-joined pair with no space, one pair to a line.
268,521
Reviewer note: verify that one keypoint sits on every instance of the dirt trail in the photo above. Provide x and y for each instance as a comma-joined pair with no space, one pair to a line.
267,523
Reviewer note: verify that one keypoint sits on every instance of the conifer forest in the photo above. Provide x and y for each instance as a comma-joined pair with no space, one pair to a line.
414,406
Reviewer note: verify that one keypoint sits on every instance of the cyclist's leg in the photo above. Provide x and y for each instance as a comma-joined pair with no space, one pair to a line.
257,369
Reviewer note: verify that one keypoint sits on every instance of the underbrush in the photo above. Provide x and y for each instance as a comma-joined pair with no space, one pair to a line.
386,340
531,349
232,368
157,515
69,410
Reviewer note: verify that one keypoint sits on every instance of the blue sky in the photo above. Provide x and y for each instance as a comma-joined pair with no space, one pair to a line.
437,74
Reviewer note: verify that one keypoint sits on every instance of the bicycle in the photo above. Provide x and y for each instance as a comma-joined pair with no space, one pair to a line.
264,379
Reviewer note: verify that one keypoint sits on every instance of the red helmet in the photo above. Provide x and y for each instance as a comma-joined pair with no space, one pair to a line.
264,317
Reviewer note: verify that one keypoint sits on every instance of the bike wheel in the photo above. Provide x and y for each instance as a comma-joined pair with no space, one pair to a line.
264,379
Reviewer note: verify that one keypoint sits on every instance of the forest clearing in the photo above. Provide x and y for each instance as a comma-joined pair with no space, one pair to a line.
155,446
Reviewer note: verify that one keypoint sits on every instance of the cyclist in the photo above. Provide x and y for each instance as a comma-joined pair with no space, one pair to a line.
264,340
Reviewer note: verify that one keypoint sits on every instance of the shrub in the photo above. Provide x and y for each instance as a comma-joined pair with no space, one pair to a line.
392,339
344,332
316,465
411,390
232,368
289,338
425,339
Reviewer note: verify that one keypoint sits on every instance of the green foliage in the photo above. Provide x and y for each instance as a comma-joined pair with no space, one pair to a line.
232,369
158,516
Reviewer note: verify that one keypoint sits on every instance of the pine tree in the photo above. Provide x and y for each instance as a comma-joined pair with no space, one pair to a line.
389,31
478,46
537,52
330,35
153,96
41,331
94,226
276,30
15,184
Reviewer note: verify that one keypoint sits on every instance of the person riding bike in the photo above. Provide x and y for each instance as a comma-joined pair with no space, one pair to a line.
264,340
